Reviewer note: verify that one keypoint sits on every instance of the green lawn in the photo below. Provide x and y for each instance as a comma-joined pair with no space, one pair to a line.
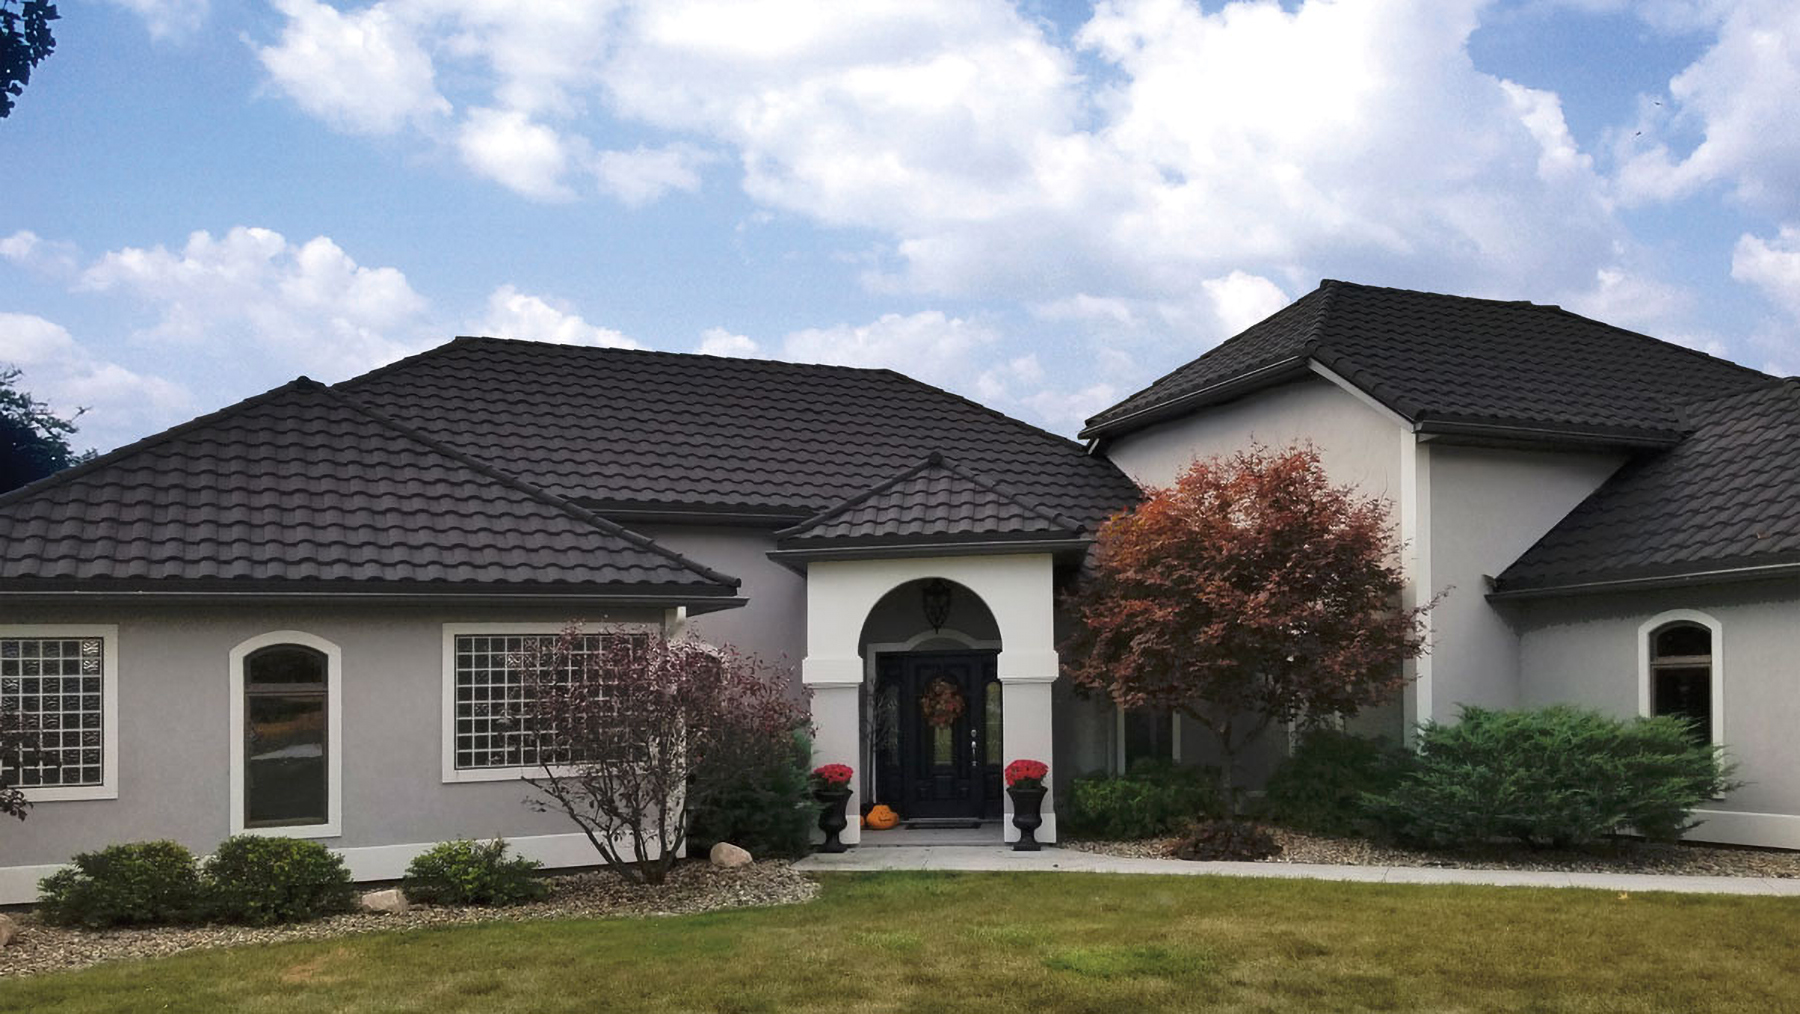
1025,942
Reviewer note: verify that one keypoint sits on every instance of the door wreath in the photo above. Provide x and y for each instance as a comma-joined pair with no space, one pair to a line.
942,703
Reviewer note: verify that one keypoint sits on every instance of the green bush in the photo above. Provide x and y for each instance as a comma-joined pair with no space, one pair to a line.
124,885
1153,798
1557,776
1320,788
763,803
464,872
264,880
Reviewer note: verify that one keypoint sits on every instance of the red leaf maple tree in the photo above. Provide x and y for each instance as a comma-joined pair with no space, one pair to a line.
1253,591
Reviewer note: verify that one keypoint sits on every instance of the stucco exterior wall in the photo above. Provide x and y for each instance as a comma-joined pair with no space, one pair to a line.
772,625
1584,650
174,747
1487,506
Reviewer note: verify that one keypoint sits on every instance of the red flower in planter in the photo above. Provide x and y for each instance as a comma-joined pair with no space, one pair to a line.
1030,773
833,776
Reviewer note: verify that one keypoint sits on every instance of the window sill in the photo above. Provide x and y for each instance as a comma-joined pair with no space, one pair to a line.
457,775
68,793
295,831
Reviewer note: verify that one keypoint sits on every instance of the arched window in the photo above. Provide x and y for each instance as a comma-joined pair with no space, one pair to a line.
286,752
1681,675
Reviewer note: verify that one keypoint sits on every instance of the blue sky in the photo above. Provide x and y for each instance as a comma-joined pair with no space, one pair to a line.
1042,205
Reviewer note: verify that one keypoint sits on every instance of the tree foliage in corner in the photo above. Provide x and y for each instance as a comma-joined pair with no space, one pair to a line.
34,441
1251,592
25,40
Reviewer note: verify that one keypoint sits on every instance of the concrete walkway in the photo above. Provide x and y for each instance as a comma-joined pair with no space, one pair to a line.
982,858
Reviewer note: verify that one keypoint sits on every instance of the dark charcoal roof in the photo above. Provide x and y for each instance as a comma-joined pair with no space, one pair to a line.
624,429
936,501
1727,497
1444,361
301,487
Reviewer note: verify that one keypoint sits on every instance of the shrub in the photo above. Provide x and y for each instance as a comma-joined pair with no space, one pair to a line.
464,872
1226,840
124,885
1321,787
1557,776
1154,798
764,804
263,880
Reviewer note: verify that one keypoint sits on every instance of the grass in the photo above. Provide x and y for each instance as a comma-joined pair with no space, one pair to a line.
1024,942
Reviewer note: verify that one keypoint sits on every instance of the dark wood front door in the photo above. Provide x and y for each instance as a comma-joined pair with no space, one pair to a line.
937,734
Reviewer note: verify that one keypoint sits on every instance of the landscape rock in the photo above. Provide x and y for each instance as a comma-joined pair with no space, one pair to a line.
8,929
390,900
728,856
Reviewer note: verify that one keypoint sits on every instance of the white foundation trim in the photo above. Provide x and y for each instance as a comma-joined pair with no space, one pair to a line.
1717,630
1735,827
18,884
334,735
109,707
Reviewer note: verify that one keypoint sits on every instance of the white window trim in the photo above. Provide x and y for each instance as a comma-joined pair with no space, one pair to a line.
455,775
1646,684
109,707
334,736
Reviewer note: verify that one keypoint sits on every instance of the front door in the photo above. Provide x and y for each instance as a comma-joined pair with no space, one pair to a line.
936,730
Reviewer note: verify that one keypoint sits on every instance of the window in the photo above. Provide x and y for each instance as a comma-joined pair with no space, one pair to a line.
58,685
1681,675
1148,734
286,751
485,684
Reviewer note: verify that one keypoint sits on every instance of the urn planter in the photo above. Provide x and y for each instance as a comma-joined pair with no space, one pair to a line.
832,820
1028,802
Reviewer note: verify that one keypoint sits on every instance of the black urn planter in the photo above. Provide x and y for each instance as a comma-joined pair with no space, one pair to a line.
831,817
1028,803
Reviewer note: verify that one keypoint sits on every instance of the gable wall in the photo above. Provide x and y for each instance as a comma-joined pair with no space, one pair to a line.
772,625
1487,506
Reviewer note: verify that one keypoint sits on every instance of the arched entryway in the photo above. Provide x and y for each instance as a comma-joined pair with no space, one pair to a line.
993,646
933,716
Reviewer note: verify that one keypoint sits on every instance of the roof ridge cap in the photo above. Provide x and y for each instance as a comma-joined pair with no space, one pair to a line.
545,496
929,461
1007,494
142,444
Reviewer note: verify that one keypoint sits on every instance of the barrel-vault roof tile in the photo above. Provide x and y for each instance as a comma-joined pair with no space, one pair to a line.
1726,498
631,429
1456,359
935,501
302,486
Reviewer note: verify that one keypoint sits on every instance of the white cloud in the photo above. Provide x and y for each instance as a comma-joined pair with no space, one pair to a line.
515,314
1634,300
1739,99
1773,266
717,341
121,404
49,257
642,175
507,146
309,306
362,71
168,18
928,346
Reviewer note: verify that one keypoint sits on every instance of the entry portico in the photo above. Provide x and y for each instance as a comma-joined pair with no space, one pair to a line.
941,528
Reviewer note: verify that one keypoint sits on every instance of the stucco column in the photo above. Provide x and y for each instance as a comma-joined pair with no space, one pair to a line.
1025,680
837,727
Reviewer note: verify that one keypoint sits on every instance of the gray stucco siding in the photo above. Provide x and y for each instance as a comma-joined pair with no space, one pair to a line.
1585,650
174,745
1487,506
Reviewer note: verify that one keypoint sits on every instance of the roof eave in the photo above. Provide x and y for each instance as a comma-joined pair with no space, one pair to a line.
1737,574
1538,434
797,558
1225,390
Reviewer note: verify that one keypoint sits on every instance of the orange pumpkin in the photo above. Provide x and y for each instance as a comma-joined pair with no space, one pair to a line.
881,818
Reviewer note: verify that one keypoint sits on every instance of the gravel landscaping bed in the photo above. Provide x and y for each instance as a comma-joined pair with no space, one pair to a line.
1630,856
692,887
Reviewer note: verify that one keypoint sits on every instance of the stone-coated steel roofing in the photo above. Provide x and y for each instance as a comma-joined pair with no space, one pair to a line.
1727,498
303,488
936,501
1458,360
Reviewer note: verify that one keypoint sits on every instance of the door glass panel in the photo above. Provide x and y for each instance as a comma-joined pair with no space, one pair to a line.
992,732
284,759
943,746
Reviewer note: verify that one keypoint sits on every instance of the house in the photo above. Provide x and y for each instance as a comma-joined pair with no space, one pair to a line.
296,614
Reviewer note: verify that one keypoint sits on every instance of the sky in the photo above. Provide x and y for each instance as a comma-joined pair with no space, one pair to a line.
1042,205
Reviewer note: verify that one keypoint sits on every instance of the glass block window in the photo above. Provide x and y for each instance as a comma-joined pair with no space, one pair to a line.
490,689
52,688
